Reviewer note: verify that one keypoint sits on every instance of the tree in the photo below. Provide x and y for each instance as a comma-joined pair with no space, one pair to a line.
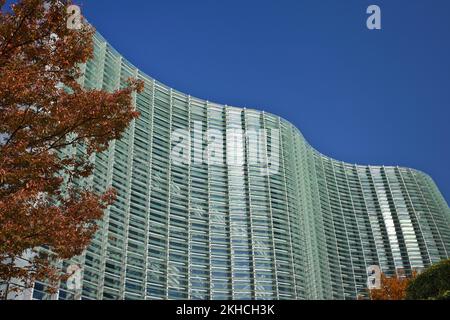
44,111
433,283
392,288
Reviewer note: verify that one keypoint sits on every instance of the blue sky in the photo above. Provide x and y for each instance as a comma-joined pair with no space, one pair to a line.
361,96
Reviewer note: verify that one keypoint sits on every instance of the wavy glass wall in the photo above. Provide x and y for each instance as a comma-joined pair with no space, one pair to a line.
232,231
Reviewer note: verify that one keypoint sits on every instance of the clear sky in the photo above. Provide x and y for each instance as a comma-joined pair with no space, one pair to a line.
361,96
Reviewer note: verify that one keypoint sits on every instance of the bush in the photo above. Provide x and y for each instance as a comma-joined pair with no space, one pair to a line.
432,284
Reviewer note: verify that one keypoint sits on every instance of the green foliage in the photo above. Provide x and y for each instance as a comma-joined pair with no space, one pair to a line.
432,284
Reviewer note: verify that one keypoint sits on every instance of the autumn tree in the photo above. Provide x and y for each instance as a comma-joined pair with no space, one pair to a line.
43,111
432,284
392,288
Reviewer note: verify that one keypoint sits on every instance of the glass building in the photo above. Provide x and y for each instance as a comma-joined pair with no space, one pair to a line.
296,225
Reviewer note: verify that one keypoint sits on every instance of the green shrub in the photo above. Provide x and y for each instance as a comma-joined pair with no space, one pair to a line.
432,284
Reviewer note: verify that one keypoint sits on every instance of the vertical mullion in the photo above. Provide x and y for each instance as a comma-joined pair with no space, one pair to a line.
169,185
150,172
345,224
264,143
338,257
356,221
281,146
189,164
248,183
111,152
130,170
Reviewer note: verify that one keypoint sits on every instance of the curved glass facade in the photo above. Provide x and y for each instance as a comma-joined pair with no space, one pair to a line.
296,225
